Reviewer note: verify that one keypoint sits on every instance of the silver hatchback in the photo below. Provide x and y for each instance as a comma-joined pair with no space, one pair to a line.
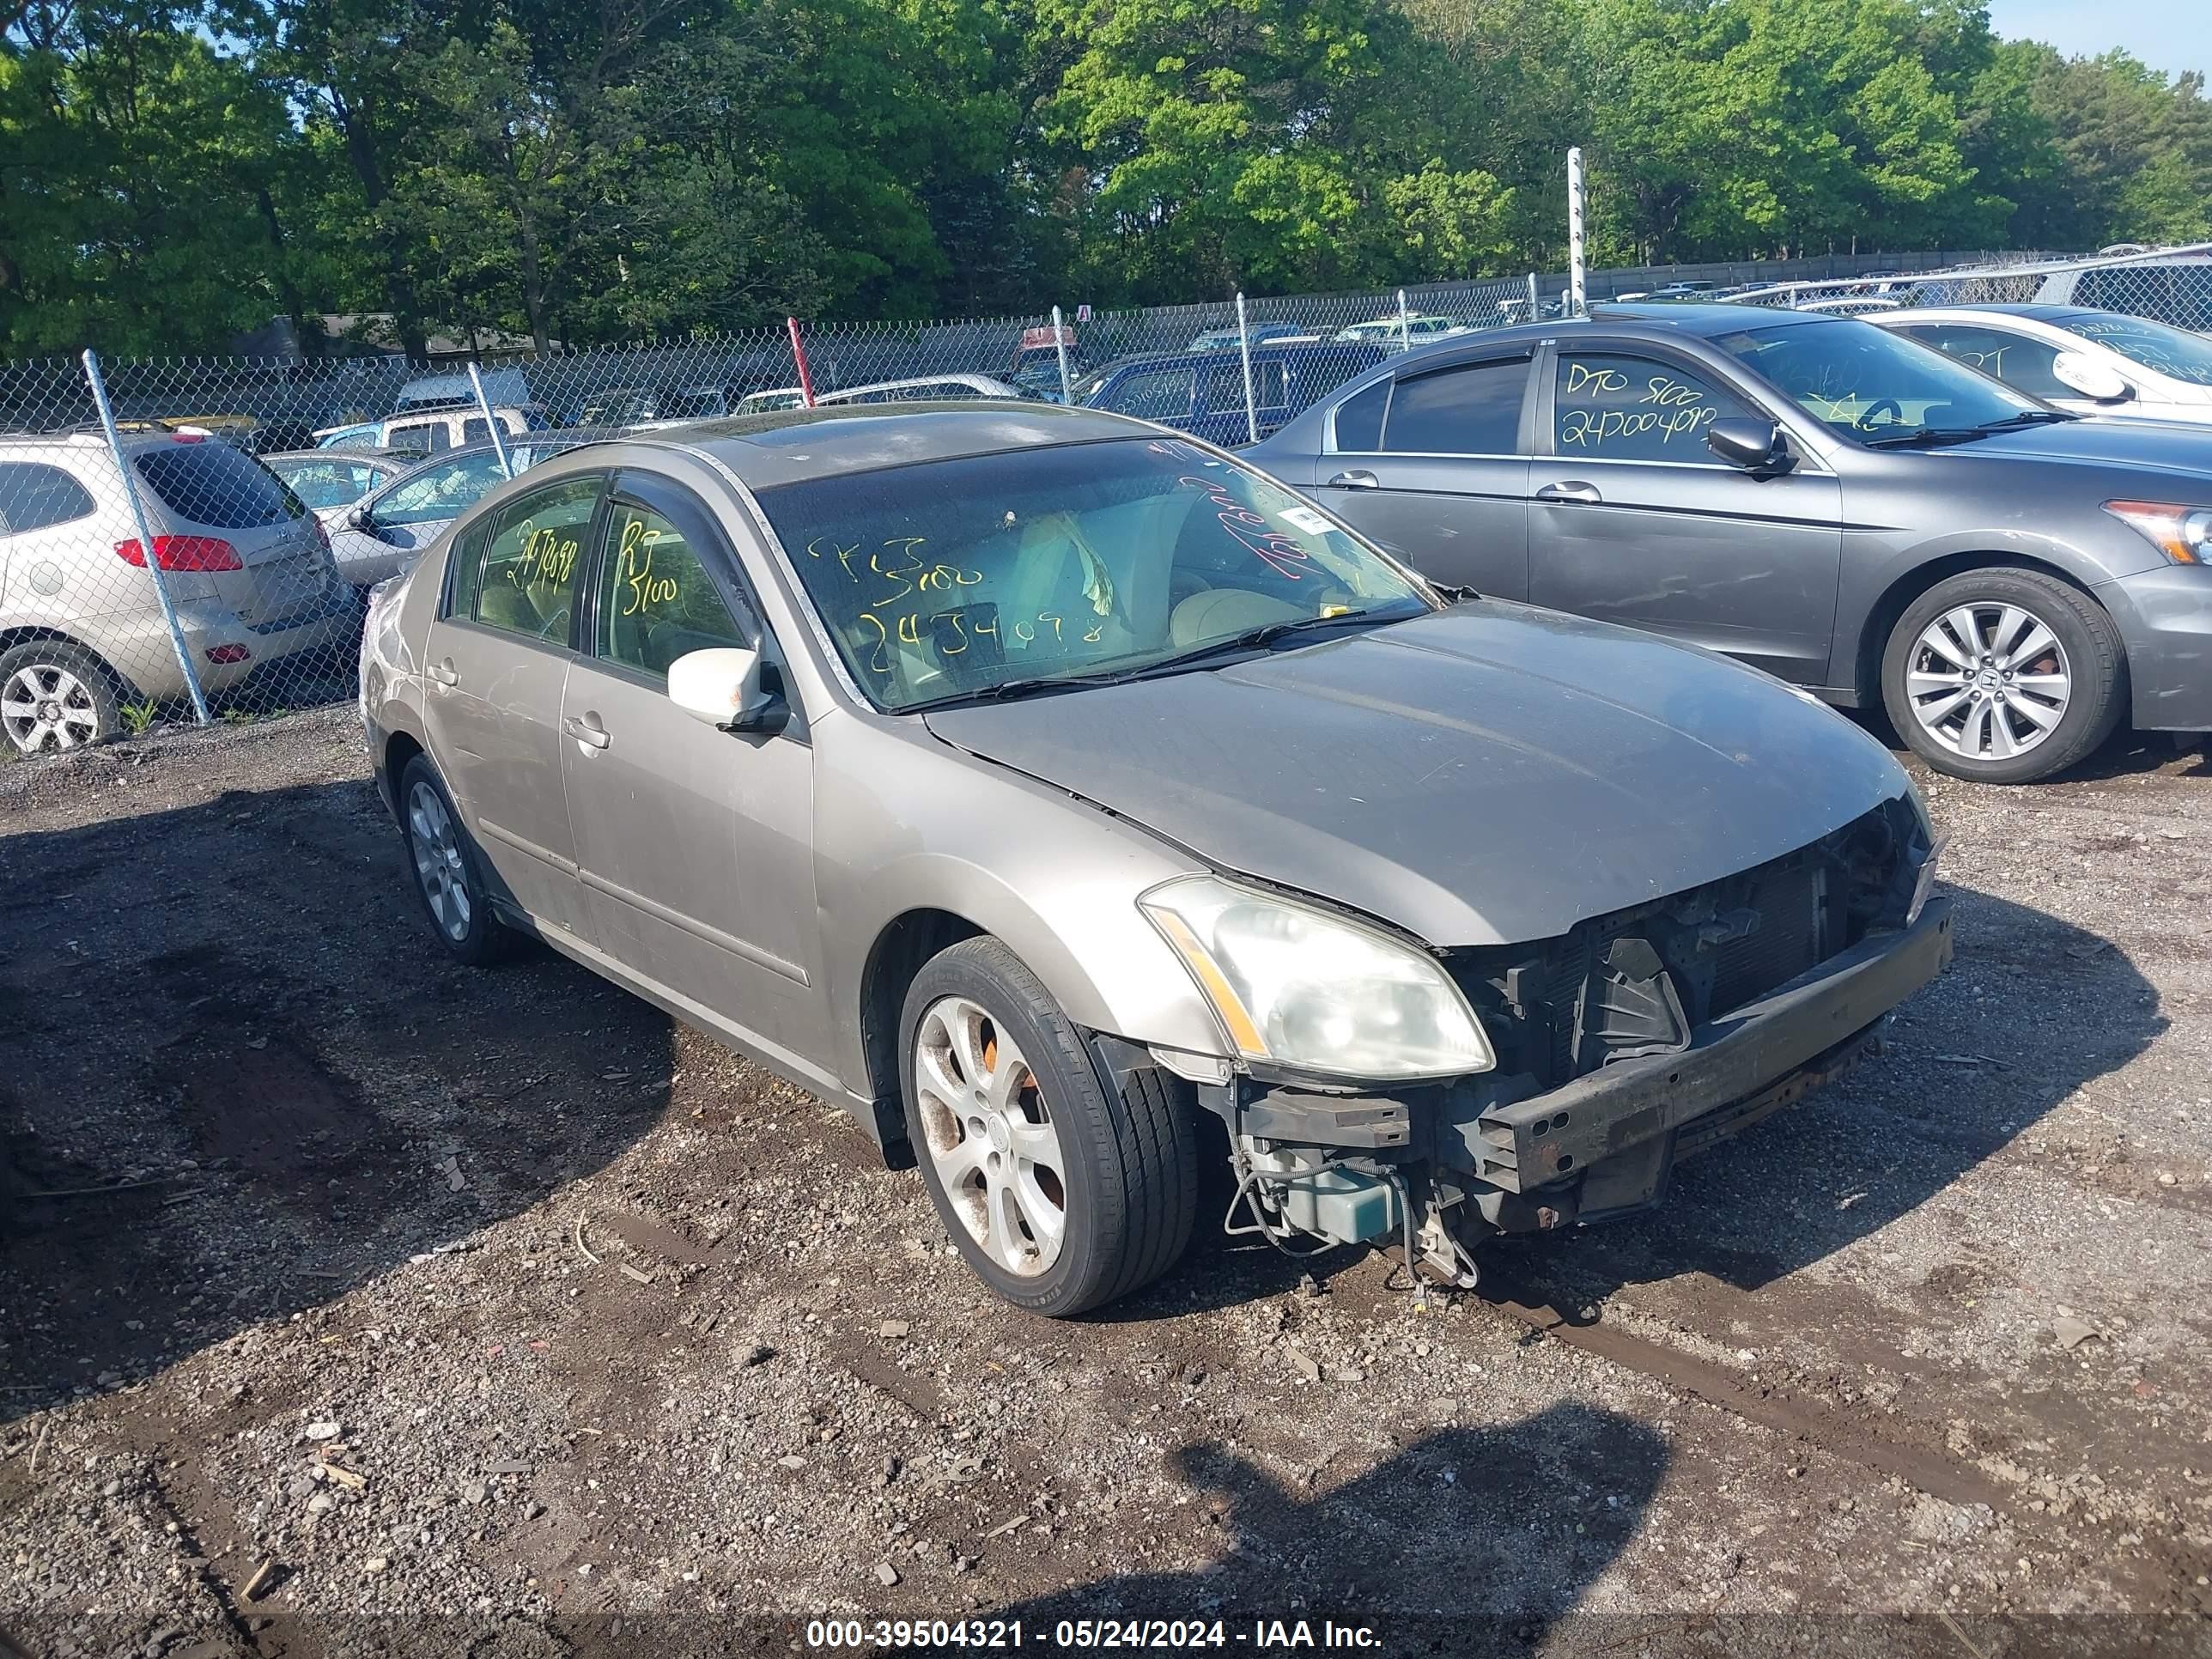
1043,786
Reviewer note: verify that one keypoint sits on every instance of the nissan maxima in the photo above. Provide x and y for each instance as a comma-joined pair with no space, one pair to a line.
1038,786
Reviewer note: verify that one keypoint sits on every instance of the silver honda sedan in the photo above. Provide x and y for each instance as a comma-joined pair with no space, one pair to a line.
1037,784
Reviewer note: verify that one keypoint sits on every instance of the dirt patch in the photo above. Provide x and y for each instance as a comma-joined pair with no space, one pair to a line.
338,1179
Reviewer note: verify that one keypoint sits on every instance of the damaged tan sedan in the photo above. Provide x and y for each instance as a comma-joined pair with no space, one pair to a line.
1037,784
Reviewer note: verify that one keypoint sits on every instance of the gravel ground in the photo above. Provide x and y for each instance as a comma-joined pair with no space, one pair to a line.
354,1302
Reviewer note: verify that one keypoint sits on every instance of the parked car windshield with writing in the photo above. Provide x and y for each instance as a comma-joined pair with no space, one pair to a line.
2092,362
1037,787
1832,502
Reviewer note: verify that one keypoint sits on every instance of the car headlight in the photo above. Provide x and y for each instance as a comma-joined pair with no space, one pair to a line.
2184,534
1302,988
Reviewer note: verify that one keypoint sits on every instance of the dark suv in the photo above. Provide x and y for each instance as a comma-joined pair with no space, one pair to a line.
1857,513
1202,392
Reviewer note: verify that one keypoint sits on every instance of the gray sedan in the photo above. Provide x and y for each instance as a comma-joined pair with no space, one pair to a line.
1855,513
1035,784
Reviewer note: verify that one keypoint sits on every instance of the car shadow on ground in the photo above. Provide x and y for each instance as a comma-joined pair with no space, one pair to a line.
237,1078
2032,1009
1496,1531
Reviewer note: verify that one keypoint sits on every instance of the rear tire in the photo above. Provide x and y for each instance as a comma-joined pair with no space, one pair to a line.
1062,1191
56,695
448,870
2004,676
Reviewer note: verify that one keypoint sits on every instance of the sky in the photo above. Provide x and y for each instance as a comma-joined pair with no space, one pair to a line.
2171,35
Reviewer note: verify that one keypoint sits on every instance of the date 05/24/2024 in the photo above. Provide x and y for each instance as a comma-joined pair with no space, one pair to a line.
1258,1635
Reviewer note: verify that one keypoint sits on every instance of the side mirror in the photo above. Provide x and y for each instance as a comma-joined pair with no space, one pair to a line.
1750,444
357,518
728,688
2078,371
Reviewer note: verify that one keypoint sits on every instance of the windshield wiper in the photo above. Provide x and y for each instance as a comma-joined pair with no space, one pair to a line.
1260,638
2026,417
1933,437
1928,437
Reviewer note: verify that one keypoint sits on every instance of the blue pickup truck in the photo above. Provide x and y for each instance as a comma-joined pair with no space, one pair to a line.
1202,392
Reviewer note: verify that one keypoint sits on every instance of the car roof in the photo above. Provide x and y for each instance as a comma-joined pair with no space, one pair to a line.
791,445
1705,318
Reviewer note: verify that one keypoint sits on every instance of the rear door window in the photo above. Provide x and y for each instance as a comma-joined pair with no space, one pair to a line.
2022,363
35,495
1360,419
213,484
532,561
1475,409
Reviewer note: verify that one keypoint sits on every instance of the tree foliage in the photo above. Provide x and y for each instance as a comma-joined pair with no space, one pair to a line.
175,171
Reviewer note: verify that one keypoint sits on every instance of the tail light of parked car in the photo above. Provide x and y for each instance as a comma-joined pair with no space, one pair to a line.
201,553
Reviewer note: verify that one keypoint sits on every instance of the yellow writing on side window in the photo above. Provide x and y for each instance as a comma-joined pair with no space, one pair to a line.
545,558
641,589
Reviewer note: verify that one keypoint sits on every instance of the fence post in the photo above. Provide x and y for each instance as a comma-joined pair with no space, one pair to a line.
1533,304
1579,304
498,436
1404,324
1060,344
1244,350
145,534
798,358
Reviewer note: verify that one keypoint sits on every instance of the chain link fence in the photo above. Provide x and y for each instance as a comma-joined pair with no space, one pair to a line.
195,539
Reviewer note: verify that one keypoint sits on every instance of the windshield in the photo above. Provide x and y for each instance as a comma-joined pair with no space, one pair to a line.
1871,385
329,484
2163,350
948,578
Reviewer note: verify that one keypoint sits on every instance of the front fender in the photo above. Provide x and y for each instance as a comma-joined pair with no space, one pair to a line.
901,827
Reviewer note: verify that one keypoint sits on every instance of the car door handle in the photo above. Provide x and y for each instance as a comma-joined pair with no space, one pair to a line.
444,672
1573,490
1358,478
587,730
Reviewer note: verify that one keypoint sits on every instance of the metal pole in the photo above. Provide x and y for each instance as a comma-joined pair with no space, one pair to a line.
1533,304
1579,304
1404,325
145,534
799,357
498,436
1059,340
1244,350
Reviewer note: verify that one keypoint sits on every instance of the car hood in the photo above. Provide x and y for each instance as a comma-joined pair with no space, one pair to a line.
2098,441
1487,774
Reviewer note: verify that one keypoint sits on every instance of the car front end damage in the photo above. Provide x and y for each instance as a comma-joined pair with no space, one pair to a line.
1636,1040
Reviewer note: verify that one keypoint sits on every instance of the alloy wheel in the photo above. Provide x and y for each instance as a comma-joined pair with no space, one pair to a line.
437,862
45,706
1988,682
991,1137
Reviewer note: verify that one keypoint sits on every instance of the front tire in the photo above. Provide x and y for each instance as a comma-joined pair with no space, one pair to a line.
448,873
1061,1191
2004,676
